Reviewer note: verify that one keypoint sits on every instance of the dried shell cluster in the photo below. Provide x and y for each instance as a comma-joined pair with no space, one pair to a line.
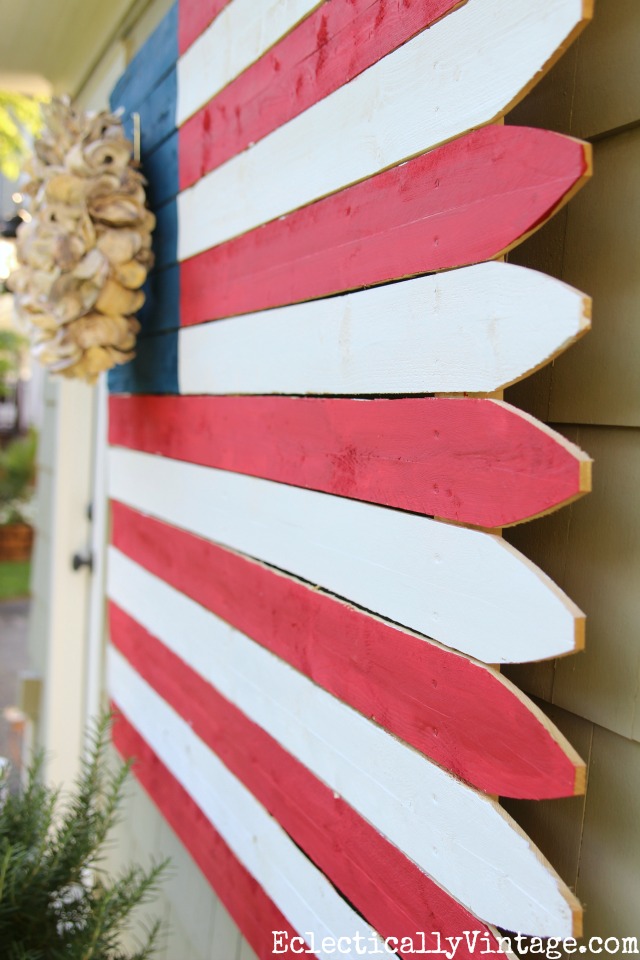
86,251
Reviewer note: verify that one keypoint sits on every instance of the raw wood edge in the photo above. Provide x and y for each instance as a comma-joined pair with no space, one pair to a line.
587,16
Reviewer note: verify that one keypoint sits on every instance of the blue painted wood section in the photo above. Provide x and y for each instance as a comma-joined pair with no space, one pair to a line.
165,236
148,87
161,310
153,370
161,170
150,65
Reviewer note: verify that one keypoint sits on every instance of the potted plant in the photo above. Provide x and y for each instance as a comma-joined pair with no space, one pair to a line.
17,475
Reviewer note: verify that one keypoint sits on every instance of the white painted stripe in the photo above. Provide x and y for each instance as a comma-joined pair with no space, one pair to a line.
294,884
475,329
463,72
459,836
241,33
463,587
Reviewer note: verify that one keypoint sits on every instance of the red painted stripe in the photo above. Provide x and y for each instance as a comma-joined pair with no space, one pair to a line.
254,913
464,202
471,460
194,16
393,895
460,713
330,47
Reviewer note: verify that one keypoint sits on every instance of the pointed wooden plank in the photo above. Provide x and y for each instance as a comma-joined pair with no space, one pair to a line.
463,72
467,589
467,201
251,908
385,886
462,714
240,34
309,903
328,49
471,330
459,837
474,461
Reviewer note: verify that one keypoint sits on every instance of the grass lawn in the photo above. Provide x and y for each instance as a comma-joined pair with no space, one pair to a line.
14,579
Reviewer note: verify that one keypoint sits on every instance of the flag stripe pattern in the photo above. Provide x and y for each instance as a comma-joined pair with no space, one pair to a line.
415,804
464,202
426,455
344,845
457,711
308,587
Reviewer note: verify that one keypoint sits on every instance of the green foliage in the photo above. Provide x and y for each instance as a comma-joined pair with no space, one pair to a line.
17,474
19,115
15,578
56,902
11,347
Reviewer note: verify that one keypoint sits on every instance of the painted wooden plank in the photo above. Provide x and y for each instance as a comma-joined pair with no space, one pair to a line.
165,235
474,461
461,838
461,73
157,113
470,330
161,171
155,58
462,714
602,685
154,369
464,588
464,202
253,911
609,268
386,887
328,49
240,34
194,17
161,308
297,888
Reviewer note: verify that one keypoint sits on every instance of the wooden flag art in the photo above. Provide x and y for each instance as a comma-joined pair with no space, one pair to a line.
310,465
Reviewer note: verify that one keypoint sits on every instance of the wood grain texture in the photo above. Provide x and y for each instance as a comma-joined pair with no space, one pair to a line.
194,17
462,714
459,837
154,368
328,49
474,461
240,34
462,587
461,73
467,201
472,330
602,684
250,907
382,884
310,904
608,268
153,61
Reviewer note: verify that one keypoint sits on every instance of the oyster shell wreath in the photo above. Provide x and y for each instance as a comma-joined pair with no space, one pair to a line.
86,250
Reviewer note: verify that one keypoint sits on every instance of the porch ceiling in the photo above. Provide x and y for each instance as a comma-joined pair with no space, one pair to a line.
56,42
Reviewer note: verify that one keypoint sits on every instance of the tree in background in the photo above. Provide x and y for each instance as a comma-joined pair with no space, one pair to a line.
20,120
